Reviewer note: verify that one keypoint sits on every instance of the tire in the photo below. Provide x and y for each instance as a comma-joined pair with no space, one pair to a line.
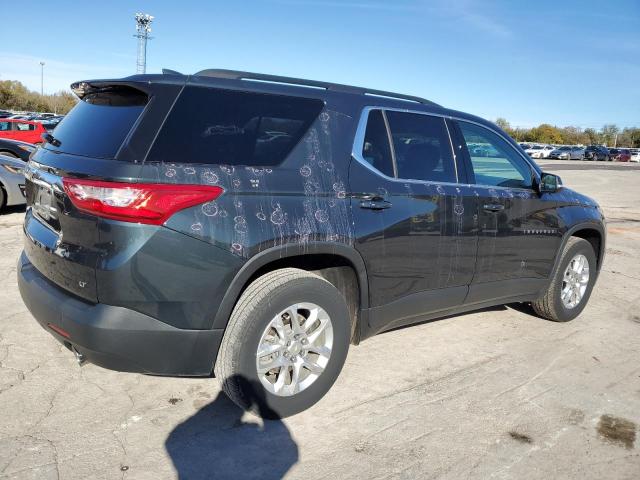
3,199
550,304
264,301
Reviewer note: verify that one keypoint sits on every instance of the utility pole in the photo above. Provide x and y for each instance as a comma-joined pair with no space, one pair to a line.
42,79
143,28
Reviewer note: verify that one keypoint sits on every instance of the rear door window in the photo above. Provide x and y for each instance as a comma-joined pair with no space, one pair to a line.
422,147
98,125
214,126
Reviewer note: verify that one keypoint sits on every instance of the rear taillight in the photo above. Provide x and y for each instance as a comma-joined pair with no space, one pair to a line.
151,203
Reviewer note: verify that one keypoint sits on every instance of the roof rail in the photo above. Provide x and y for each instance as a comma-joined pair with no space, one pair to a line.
261,77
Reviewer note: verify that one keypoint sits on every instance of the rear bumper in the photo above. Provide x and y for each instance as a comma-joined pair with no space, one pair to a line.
117,338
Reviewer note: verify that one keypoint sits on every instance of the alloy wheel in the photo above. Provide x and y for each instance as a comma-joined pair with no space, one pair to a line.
294,349
575,281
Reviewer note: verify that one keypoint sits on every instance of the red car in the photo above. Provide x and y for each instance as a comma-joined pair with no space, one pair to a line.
624,155
22,130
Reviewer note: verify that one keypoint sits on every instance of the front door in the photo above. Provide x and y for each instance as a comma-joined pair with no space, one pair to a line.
519,231
414,221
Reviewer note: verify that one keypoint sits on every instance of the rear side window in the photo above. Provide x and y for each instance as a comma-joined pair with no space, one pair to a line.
24,127
98,125
422,147
376,149
213,126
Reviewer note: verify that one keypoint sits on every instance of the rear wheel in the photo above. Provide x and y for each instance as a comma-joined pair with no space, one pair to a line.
3,198
570,288
285,344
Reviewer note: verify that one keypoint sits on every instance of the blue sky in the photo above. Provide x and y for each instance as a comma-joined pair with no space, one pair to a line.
563,62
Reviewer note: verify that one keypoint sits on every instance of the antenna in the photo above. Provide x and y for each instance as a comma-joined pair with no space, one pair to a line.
143,29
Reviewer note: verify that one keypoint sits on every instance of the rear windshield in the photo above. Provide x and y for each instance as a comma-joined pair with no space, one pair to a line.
210,126
97,125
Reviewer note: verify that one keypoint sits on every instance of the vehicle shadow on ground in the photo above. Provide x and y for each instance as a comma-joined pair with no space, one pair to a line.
217,443
14,209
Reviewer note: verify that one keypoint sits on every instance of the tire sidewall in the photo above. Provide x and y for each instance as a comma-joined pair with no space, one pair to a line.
566,314
309,289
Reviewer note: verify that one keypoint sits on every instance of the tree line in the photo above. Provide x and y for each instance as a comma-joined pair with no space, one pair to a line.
15,96
608,135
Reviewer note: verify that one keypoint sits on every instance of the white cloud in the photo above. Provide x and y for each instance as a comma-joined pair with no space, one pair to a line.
58,75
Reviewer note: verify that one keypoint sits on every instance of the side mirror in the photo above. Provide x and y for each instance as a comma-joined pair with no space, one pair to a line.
549,183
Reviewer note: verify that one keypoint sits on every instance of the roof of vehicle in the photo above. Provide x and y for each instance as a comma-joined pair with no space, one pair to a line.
354,97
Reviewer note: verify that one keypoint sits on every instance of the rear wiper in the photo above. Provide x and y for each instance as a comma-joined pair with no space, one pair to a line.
47,137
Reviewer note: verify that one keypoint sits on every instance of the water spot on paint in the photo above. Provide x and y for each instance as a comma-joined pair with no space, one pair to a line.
324,117
237,203
383,191
236,183
210,177
458,209
278,217
321,215
210,209
255,183
170,173
440,190
228,169
311,187
261,216
332,203
268,170
190,170
223,214
237,247
305,170
196,227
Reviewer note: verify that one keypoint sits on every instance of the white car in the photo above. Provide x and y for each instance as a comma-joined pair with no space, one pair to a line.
539,151
635,154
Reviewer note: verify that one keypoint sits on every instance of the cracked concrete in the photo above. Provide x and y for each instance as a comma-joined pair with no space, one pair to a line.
493,394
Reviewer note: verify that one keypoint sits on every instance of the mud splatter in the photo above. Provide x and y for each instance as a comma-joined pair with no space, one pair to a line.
174,400
617,431
520,437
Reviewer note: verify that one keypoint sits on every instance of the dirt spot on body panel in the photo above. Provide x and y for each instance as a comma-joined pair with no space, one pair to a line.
618,431
520,437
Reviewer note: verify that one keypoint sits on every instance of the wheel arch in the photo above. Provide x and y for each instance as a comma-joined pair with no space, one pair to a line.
593,232
332,261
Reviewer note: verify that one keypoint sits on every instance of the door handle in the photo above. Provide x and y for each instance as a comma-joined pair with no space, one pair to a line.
493,207
375,204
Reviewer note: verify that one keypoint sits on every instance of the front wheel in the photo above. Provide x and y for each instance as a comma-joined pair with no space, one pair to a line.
571,286
285,344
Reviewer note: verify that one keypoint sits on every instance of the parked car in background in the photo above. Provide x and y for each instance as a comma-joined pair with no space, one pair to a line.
12,190
567,153
620,154
5,113
273,225
577,153
16,149
539,151
23,130
635,154
597,152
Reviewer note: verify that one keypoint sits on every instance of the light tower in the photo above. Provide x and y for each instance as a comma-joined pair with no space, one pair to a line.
143,29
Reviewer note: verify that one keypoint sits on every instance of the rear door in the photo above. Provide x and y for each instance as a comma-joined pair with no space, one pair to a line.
413,215
519,232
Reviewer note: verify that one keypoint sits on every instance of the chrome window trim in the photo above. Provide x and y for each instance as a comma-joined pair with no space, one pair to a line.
358,144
